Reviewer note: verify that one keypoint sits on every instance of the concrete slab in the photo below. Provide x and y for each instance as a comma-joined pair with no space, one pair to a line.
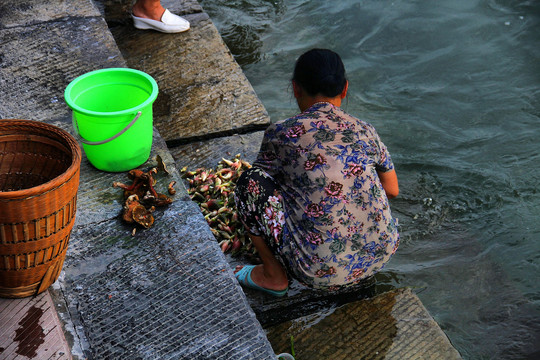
39,59
166,292
32,12
203,91
393,325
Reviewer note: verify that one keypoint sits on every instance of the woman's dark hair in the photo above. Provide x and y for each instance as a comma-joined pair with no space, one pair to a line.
320,71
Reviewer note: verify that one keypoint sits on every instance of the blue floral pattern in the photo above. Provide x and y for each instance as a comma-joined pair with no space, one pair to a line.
335,227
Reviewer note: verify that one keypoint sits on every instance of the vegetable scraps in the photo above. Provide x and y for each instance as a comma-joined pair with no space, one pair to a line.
212,190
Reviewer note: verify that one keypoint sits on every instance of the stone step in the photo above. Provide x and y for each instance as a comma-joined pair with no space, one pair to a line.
391,326
202,90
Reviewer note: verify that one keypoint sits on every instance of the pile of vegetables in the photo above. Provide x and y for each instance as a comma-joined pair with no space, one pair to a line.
212,190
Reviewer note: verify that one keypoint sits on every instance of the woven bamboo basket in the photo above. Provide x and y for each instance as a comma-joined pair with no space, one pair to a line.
39,179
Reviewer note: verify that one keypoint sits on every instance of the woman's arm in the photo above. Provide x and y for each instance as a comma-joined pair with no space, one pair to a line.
389,182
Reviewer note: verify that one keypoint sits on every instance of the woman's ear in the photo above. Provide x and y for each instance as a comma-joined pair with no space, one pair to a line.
297,89
345,89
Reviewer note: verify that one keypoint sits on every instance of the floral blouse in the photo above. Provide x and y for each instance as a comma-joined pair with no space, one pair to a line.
339,228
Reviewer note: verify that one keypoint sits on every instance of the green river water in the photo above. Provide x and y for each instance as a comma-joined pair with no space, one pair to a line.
453,88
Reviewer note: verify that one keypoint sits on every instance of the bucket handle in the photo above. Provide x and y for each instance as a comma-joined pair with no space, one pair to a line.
84,141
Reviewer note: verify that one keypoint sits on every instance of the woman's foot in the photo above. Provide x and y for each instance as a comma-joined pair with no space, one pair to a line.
150,14
255,277
260,277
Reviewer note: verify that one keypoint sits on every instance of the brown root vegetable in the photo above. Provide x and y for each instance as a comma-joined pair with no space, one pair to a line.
162,200
171,188
143,216
151,200
135,174
133,189
120,185
134,211
131,202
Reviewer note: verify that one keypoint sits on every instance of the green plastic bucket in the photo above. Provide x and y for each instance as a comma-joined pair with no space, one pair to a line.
112,114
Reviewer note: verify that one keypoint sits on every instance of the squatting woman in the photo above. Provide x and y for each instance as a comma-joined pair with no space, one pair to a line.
315,203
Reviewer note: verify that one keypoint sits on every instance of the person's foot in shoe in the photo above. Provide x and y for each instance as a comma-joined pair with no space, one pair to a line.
150,14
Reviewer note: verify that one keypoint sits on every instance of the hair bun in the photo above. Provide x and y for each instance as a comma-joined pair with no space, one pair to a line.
320,71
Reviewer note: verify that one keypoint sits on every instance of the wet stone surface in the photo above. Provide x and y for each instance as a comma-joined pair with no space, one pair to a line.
159,294
166,292
393,325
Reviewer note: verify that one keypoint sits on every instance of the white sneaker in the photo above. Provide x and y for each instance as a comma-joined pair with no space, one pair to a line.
170,23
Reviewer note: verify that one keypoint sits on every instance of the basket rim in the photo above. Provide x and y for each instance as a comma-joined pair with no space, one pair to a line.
57,134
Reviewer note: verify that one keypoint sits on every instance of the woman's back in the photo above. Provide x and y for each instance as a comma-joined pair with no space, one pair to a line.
337,213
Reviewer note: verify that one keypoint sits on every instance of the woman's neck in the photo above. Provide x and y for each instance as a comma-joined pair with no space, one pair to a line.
306,102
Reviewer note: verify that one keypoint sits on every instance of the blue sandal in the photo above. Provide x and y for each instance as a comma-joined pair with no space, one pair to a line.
244,278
